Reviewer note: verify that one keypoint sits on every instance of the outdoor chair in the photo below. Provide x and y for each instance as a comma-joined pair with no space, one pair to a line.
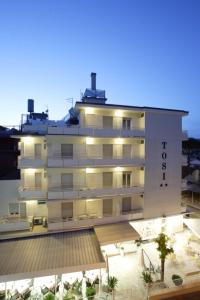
44,290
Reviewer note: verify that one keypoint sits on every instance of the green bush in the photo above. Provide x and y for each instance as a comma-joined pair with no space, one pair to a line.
90,292
49,296
146,275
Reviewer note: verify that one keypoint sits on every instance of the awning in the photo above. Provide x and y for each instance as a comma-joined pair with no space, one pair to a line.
115,233
52,254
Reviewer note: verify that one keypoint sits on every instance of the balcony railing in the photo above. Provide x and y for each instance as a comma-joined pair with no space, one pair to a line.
31,162
32,193
96,131
89,219
57,160
88,192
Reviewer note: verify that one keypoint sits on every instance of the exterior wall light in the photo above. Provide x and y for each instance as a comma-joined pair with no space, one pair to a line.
119,141
89,110
118,113
28,140
89,141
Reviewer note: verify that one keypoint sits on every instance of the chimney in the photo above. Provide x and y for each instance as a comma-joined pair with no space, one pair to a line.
93,81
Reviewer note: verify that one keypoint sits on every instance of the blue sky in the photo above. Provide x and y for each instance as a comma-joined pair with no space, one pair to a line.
144,53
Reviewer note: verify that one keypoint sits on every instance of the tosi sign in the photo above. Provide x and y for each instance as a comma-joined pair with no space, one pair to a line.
164,164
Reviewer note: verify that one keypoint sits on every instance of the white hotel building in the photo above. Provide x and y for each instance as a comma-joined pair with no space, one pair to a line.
106,163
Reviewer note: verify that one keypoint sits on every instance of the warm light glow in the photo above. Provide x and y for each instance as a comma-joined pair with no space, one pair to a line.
89,170
32,202
118,113
30,171
89,200
118,169
119,141
89,141
89,110
28,140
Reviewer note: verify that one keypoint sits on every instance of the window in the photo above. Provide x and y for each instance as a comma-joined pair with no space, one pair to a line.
107,207
107,122
107,179
38,180
13,208
107,151
126,123
38,150
127,151
67,181
126,204
67,150
67,210
126,179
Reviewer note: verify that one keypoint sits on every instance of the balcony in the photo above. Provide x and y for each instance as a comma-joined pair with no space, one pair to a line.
87,193
184,135
31,162
57,161
31,193
88,220
96,131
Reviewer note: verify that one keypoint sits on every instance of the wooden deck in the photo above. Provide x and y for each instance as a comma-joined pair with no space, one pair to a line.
49,255
115,233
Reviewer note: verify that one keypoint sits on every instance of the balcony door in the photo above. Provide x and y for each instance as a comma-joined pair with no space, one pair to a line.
126,179
67,181
126,124
67,210
126,204
38,150
107,179
107,151
107,122
107,207
38,180
67,150
127,151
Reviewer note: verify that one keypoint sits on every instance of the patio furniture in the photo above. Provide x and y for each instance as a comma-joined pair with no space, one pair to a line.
26,294
44,290
54,288
66,285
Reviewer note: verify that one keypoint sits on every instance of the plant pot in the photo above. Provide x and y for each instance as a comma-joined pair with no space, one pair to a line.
178,282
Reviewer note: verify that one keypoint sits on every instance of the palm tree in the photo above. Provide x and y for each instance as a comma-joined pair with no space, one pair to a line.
162,241
112,283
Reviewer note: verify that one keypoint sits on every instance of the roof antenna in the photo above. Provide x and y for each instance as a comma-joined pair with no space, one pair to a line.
70,100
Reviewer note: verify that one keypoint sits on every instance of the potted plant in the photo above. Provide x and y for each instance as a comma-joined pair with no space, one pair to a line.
90,292
69,296
112,284
147,278
49,296
138,241
177,280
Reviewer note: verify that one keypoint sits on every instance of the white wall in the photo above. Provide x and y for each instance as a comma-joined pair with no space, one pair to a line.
159,200
8,194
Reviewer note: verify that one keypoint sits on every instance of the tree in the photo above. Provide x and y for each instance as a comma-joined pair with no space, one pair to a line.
162,242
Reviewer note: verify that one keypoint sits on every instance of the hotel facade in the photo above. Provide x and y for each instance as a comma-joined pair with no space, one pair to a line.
104,163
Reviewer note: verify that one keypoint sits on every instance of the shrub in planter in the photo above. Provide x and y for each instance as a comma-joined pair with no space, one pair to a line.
177,280
146,276
49,296
90,292
69,296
